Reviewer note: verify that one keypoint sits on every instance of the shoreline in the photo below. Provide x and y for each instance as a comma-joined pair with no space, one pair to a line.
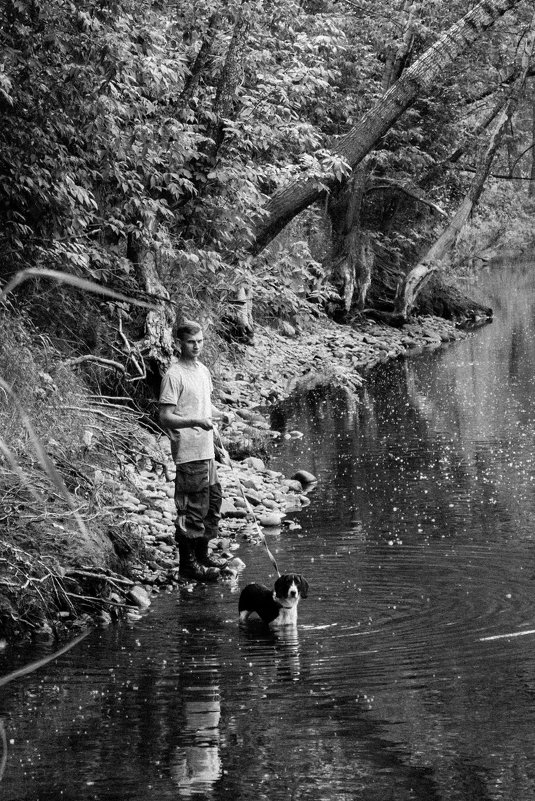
261,376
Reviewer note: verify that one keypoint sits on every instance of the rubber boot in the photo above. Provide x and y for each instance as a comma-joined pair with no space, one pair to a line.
205,557
189,567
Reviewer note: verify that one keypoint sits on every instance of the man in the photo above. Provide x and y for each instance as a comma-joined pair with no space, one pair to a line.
186,412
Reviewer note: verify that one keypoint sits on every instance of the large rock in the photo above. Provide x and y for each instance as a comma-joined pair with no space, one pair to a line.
139,596
304,477
270,519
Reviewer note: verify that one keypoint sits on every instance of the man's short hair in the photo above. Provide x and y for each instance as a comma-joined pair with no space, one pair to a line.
187,328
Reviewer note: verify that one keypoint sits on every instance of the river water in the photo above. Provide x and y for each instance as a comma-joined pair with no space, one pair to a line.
412,672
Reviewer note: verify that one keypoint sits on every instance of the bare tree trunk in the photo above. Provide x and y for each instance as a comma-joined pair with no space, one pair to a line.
421,273
399,53
285,204
231,75
200,63
352,254
351,259
157,344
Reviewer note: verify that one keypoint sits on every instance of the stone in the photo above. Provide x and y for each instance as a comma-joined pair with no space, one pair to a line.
252,482
237,514
287,329
44,631
165,536
304,477
236,563
139,596
274,474
270,519
228,506
269,503
247,414
292,484
255,463
254,497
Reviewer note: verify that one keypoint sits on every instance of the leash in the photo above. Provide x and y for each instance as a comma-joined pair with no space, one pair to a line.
248,506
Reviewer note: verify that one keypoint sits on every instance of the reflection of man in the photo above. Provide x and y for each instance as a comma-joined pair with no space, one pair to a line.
198,764
186,411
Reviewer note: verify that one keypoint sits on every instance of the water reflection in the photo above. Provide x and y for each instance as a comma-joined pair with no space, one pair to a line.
195,762
403,680
272,654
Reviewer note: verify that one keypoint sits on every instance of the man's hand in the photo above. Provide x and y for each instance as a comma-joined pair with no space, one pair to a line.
205,423
224,417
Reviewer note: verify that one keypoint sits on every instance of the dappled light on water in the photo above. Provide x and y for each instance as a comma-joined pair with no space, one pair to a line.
411,674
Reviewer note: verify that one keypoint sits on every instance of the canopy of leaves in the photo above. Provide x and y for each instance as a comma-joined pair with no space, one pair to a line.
166,125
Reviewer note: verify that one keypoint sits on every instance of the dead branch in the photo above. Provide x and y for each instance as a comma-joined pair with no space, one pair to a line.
94,598
97,575
410,192
133,353
93,411
97,360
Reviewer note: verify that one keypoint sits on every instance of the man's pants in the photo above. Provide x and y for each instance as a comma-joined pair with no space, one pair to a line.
198,499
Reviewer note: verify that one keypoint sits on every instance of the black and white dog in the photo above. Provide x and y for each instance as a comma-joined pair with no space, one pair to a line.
277,607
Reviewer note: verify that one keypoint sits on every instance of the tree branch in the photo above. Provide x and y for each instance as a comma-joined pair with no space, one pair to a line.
413,193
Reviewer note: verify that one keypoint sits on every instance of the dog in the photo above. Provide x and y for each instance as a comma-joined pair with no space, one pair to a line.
277,607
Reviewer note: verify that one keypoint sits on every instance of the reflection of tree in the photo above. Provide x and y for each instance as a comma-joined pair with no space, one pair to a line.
439,452
3,743
426,430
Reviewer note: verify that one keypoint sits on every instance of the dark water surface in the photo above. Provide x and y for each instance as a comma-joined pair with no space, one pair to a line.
412,672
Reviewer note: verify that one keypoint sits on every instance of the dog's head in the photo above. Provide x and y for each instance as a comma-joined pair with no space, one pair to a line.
290,587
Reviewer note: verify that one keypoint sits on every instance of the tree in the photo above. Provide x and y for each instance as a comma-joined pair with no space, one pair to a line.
285,204
430,263
155,147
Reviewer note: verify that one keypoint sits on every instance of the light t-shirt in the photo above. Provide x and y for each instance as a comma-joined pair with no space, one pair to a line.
189,389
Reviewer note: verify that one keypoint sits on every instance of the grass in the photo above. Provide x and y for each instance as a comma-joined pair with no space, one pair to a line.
60,451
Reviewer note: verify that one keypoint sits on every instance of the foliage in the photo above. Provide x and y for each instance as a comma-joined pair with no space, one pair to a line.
502,224
114,138
303,287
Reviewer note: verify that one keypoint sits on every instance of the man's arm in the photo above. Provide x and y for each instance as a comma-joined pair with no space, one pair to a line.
169,419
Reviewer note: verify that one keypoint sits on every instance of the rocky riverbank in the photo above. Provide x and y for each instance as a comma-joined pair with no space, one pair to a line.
133,526
262,375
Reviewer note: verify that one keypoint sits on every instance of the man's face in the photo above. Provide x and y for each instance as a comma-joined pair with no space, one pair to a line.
191,345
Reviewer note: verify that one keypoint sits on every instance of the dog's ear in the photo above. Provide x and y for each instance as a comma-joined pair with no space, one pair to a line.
302,583
281,585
